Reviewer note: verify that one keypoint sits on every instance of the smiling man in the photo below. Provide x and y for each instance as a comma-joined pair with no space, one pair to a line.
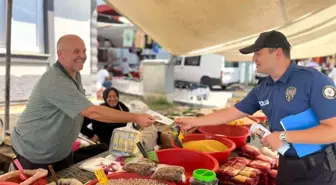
289,89
51,122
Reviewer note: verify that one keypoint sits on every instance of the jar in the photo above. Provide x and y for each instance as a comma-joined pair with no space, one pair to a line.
203,177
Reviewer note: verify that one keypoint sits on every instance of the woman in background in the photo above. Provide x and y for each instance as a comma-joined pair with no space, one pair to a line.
102,131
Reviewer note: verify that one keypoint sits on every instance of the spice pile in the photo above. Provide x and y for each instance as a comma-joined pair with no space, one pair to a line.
205,146
257,167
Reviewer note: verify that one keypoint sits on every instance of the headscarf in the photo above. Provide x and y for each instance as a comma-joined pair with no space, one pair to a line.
120,105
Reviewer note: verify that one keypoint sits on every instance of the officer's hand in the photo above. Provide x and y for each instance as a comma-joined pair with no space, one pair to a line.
272,141
144,120
186,123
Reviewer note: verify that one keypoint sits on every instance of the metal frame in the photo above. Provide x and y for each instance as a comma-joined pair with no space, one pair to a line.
47,58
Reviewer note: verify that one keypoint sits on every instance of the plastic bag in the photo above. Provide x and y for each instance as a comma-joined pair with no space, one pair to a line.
245,180
241,159
273,173
230,169
36,177
266,159
272,177
141,166
250,151
276,166
263,178
149,137
170,173
266,151
250,172
240,180
123,141
261,165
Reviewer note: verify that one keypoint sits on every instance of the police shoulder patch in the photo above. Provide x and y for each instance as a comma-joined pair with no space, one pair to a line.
329,92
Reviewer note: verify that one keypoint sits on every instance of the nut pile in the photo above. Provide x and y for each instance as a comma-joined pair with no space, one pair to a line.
133,182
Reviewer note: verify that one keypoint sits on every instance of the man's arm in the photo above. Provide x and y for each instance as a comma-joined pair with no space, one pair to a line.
108,115
247,106
219,117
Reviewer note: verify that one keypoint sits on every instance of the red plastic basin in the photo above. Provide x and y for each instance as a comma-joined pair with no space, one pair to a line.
189,159
238,134
127,176
221,157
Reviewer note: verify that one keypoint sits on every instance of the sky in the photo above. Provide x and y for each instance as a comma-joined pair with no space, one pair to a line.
100,2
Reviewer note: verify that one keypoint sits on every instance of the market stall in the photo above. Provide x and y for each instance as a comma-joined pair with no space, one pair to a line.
179,158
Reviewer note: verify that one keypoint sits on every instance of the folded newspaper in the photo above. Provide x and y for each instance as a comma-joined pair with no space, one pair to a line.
160,118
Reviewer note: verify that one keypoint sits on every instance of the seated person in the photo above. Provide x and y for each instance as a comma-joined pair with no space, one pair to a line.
108,82
101,131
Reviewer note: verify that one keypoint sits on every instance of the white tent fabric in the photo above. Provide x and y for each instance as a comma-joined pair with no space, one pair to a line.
310,37
182,26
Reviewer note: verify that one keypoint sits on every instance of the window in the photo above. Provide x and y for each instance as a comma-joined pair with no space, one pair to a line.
232,64
192,61
178,61
27,26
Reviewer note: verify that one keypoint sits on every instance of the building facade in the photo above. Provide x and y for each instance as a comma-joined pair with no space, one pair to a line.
36,27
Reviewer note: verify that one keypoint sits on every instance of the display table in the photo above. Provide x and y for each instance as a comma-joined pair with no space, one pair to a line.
75,172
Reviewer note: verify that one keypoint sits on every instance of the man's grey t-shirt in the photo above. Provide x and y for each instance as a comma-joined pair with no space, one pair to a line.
50,124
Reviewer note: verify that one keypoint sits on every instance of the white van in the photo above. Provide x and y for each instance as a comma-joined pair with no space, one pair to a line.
210,70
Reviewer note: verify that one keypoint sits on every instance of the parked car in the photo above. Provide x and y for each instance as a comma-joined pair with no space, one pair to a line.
210,70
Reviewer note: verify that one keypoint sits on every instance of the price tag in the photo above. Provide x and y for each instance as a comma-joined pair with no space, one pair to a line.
100,174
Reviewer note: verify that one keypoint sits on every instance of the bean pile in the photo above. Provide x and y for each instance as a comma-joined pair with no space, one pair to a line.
169,173
133,182
142,166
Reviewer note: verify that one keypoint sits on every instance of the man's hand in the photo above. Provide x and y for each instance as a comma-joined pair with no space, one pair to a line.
272,141
95,139
186,123
144,120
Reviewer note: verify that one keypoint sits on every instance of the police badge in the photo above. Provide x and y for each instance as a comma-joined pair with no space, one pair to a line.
290,93
329,92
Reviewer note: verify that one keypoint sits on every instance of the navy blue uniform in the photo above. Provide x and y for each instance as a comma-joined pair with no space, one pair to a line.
299,89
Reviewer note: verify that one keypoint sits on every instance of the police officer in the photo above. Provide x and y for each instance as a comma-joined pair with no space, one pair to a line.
289,89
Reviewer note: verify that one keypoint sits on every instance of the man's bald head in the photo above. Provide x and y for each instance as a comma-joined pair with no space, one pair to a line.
66,40
71,53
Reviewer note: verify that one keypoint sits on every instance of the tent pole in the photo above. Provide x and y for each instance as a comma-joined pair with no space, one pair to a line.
8,61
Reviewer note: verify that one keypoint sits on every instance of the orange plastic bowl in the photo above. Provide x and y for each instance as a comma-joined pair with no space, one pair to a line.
189,159
221,157
125,175
238,134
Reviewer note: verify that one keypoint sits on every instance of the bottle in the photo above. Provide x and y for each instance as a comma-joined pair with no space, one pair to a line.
203,177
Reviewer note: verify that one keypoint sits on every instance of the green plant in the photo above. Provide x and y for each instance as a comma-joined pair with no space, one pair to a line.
159,103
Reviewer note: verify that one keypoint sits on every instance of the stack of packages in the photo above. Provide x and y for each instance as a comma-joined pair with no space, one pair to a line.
257,167
263,159
236,172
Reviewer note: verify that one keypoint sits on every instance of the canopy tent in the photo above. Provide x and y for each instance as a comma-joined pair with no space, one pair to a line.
310,36
193,26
